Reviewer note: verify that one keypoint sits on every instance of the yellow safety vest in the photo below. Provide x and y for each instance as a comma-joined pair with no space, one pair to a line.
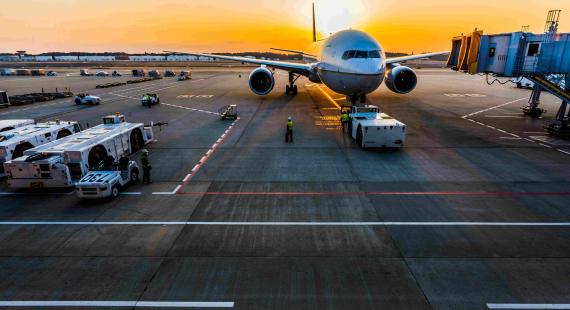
290,125
344,117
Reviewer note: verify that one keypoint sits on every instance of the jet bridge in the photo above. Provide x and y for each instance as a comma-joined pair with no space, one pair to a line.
543,59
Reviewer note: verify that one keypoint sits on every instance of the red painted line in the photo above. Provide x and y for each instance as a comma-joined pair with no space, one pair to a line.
202,161
379,193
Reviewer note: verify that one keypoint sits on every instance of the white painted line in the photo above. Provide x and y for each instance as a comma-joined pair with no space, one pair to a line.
510,138
535,132
203,159
565,152
215,145
490,126
176,189
195,167
162,193
548,146
187,177
404,224
498,106
219,140
130,304
131,193
528,306
209,152
504,116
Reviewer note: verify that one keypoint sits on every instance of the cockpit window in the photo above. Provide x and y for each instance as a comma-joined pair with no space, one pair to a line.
360,54
347,55
373,54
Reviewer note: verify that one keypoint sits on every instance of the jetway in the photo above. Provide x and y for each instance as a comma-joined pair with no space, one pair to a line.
543,59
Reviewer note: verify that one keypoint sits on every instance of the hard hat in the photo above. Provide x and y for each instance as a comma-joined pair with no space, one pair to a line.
145,152
289,118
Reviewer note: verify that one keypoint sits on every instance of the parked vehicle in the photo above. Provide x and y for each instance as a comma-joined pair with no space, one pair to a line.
85,72
184,75
51,73
87,99
64,162
150,100
138,72
102,73
169,73
115,73
154,74
108,179
4,99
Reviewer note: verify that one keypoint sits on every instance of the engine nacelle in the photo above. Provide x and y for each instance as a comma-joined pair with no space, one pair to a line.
261,81
401,79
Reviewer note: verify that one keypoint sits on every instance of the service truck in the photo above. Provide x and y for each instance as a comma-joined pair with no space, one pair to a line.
14,143
108,179
373,129
63,162
10,124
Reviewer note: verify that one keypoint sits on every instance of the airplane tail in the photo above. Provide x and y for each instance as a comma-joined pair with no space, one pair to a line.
314,27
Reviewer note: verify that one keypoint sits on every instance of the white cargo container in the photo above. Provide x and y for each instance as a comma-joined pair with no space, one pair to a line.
61,163
10,124
14,143
373,129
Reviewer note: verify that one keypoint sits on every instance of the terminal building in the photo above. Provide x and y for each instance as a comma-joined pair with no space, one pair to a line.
544,59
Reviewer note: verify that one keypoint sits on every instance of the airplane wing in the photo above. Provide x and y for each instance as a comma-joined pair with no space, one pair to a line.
299,68
413,57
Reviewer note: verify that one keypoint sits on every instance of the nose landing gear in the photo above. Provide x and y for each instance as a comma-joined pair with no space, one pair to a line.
291,89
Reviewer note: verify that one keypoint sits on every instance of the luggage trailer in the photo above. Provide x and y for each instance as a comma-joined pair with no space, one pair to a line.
14,143
63,162
10,124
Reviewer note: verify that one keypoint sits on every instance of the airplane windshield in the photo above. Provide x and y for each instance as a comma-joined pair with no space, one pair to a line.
360,54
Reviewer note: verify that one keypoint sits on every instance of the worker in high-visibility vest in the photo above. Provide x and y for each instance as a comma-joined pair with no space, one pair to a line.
145,163
289,133
344,120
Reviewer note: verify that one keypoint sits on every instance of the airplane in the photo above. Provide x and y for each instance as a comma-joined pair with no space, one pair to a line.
351,63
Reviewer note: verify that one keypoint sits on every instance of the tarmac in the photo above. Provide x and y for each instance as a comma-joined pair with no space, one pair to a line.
472,213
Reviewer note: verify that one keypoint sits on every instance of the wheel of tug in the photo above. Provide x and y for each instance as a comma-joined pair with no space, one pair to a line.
359,137
295,90
77,101
287,89
63,133
20,149
137,141
96,156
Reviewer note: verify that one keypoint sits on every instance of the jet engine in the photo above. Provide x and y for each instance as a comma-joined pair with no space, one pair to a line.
401,79
261,81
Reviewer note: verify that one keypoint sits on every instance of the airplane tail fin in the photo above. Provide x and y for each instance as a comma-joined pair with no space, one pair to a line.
314,27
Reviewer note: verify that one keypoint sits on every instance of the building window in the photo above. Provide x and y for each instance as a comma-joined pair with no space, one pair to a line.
533,49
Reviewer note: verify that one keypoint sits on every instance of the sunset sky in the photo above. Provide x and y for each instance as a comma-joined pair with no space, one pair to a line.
255,25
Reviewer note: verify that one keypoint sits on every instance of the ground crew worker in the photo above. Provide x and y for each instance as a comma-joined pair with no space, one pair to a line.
146,167
289,133
344,120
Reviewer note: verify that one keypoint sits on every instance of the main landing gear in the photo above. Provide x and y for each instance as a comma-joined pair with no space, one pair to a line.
291,89
354,99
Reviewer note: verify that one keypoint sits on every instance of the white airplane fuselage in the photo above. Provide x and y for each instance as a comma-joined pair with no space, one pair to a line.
351,63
